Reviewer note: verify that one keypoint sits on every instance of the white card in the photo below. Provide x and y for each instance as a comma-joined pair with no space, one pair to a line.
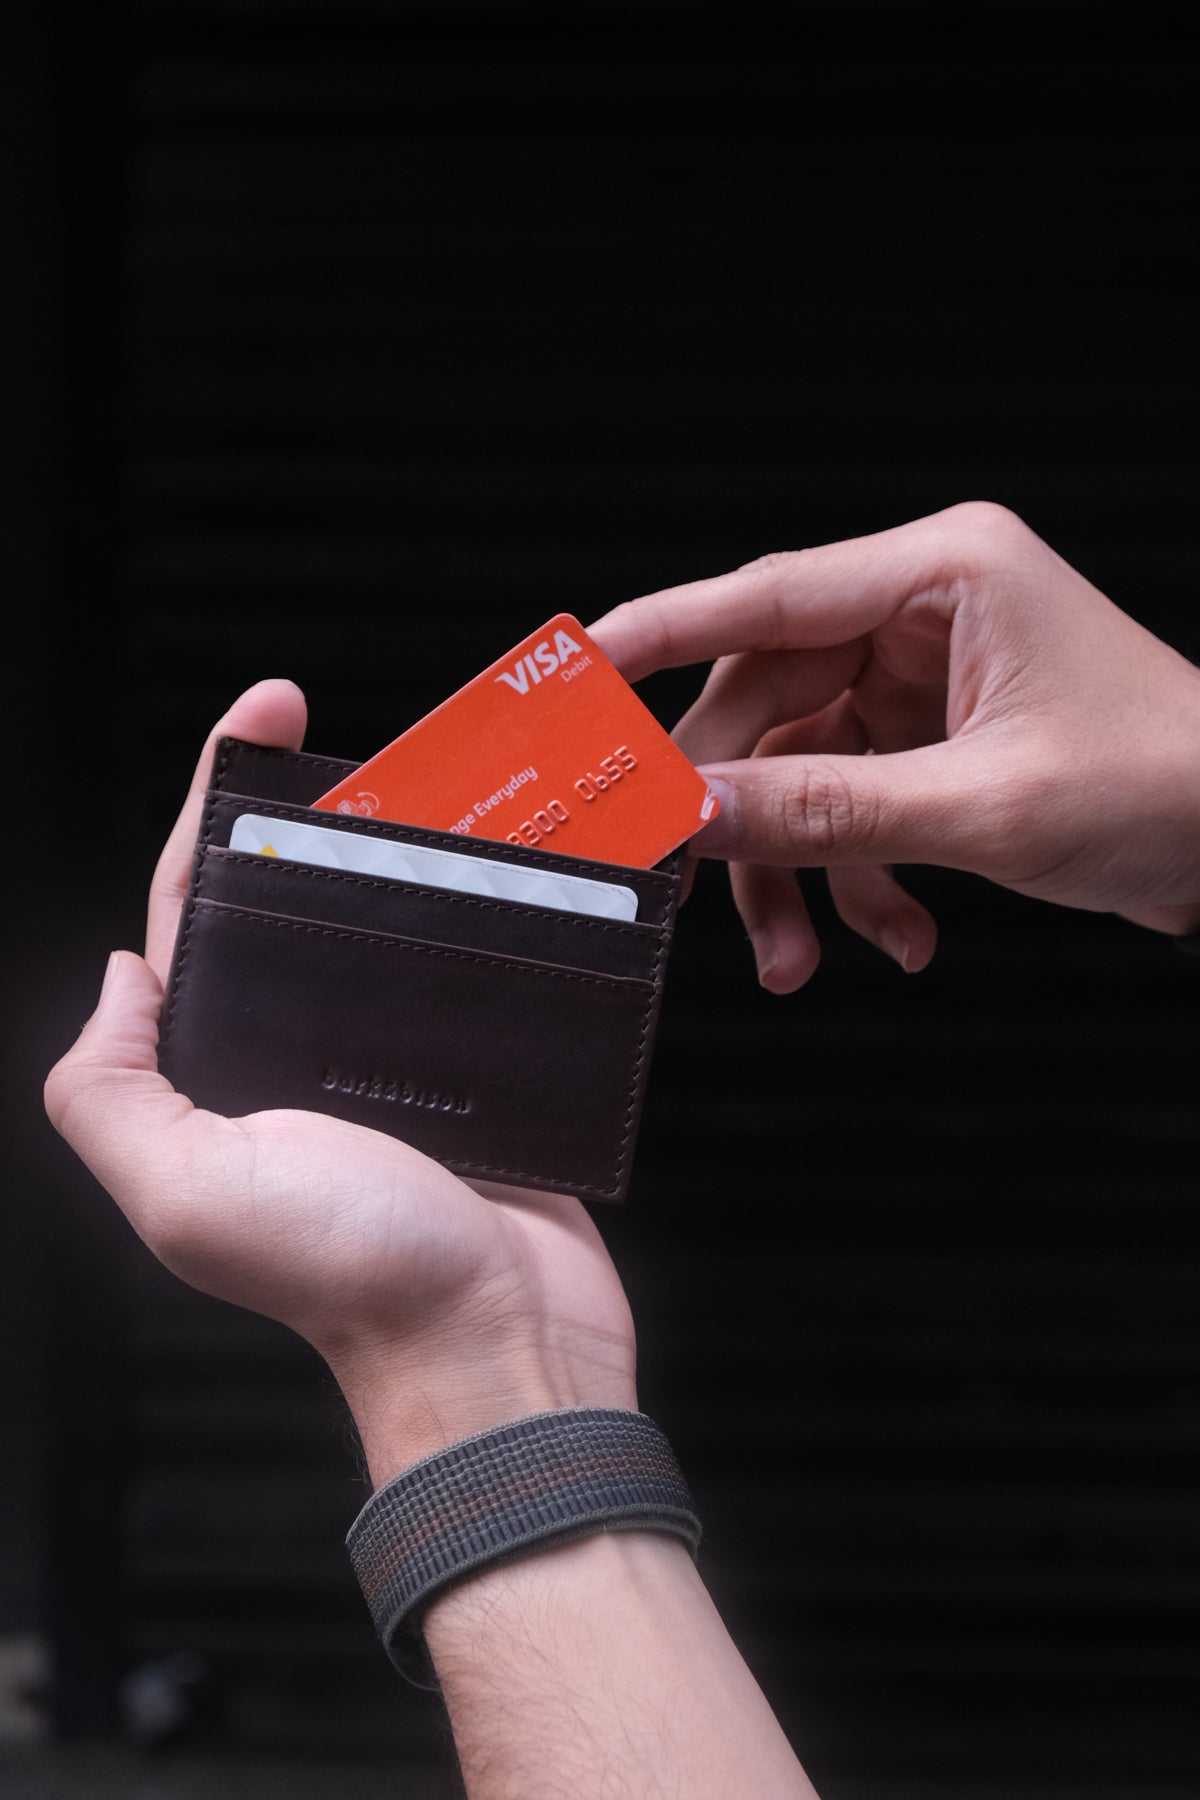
323,847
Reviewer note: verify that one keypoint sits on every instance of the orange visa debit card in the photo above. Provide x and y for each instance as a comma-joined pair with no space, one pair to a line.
548,747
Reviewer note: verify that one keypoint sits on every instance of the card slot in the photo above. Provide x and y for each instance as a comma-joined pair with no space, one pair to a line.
656,889
509,1070
661,876
519,965
411,909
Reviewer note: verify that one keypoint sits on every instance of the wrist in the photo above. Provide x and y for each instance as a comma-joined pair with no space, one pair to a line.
407,1406
510,1491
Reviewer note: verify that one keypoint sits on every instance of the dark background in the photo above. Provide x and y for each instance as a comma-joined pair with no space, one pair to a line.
349,342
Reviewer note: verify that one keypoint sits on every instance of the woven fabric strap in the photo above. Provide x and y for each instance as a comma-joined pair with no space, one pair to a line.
539,1481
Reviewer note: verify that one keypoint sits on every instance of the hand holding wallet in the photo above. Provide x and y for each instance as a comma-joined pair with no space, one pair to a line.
510,1041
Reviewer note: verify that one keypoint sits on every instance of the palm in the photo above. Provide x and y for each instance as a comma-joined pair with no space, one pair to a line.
313,1220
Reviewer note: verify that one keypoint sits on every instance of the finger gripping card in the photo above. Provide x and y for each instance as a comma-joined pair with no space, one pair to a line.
509,1040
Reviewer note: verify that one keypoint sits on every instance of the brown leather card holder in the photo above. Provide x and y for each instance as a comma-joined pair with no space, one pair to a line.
511,1042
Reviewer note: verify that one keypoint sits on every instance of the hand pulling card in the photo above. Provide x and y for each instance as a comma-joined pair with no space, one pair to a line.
549,748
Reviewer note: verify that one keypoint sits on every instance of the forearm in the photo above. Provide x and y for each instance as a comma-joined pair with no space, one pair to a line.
598,1668
603,1668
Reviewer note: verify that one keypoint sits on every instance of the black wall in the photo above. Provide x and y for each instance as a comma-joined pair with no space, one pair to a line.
352,341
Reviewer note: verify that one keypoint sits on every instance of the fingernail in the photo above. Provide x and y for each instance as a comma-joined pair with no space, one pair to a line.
897,946
718,834
109,971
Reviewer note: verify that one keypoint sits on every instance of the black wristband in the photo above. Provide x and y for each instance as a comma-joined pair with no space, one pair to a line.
540,1481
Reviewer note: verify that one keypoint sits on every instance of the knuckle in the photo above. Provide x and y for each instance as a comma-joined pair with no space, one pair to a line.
768,564
772,574
990,528
822,813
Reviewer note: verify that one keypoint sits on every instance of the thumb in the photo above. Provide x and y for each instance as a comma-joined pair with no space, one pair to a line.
913,806
106,1095
271,712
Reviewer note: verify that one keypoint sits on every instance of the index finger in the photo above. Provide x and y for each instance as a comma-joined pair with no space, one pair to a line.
271,712
791,600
